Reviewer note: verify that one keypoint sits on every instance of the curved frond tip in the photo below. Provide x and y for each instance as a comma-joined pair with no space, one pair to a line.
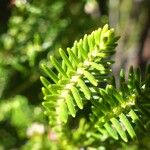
81,68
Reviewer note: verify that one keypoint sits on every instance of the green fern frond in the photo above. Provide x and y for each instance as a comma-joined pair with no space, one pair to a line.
119,111
83,77
85,66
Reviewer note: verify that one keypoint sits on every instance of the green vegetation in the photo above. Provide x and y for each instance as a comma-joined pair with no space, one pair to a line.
84,106
84,87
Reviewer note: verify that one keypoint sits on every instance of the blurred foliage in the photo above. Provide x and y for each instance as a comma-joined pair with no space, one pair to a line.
34,31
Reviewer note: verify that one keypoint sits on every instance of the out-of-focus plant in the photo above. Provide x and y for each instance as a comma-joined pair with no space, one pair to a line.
34,29
28,122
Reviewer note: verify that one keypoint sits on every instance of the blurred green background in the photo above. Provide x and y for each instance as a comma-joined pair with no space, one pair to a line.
31,31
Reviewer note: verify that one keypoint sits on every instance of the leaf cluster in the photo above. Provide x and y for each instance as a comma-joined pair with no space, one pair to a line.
83,77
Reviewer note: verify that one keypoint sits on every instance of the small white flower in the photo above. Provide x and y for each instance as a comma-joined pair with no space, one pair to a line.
52,136
35,128
91,7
